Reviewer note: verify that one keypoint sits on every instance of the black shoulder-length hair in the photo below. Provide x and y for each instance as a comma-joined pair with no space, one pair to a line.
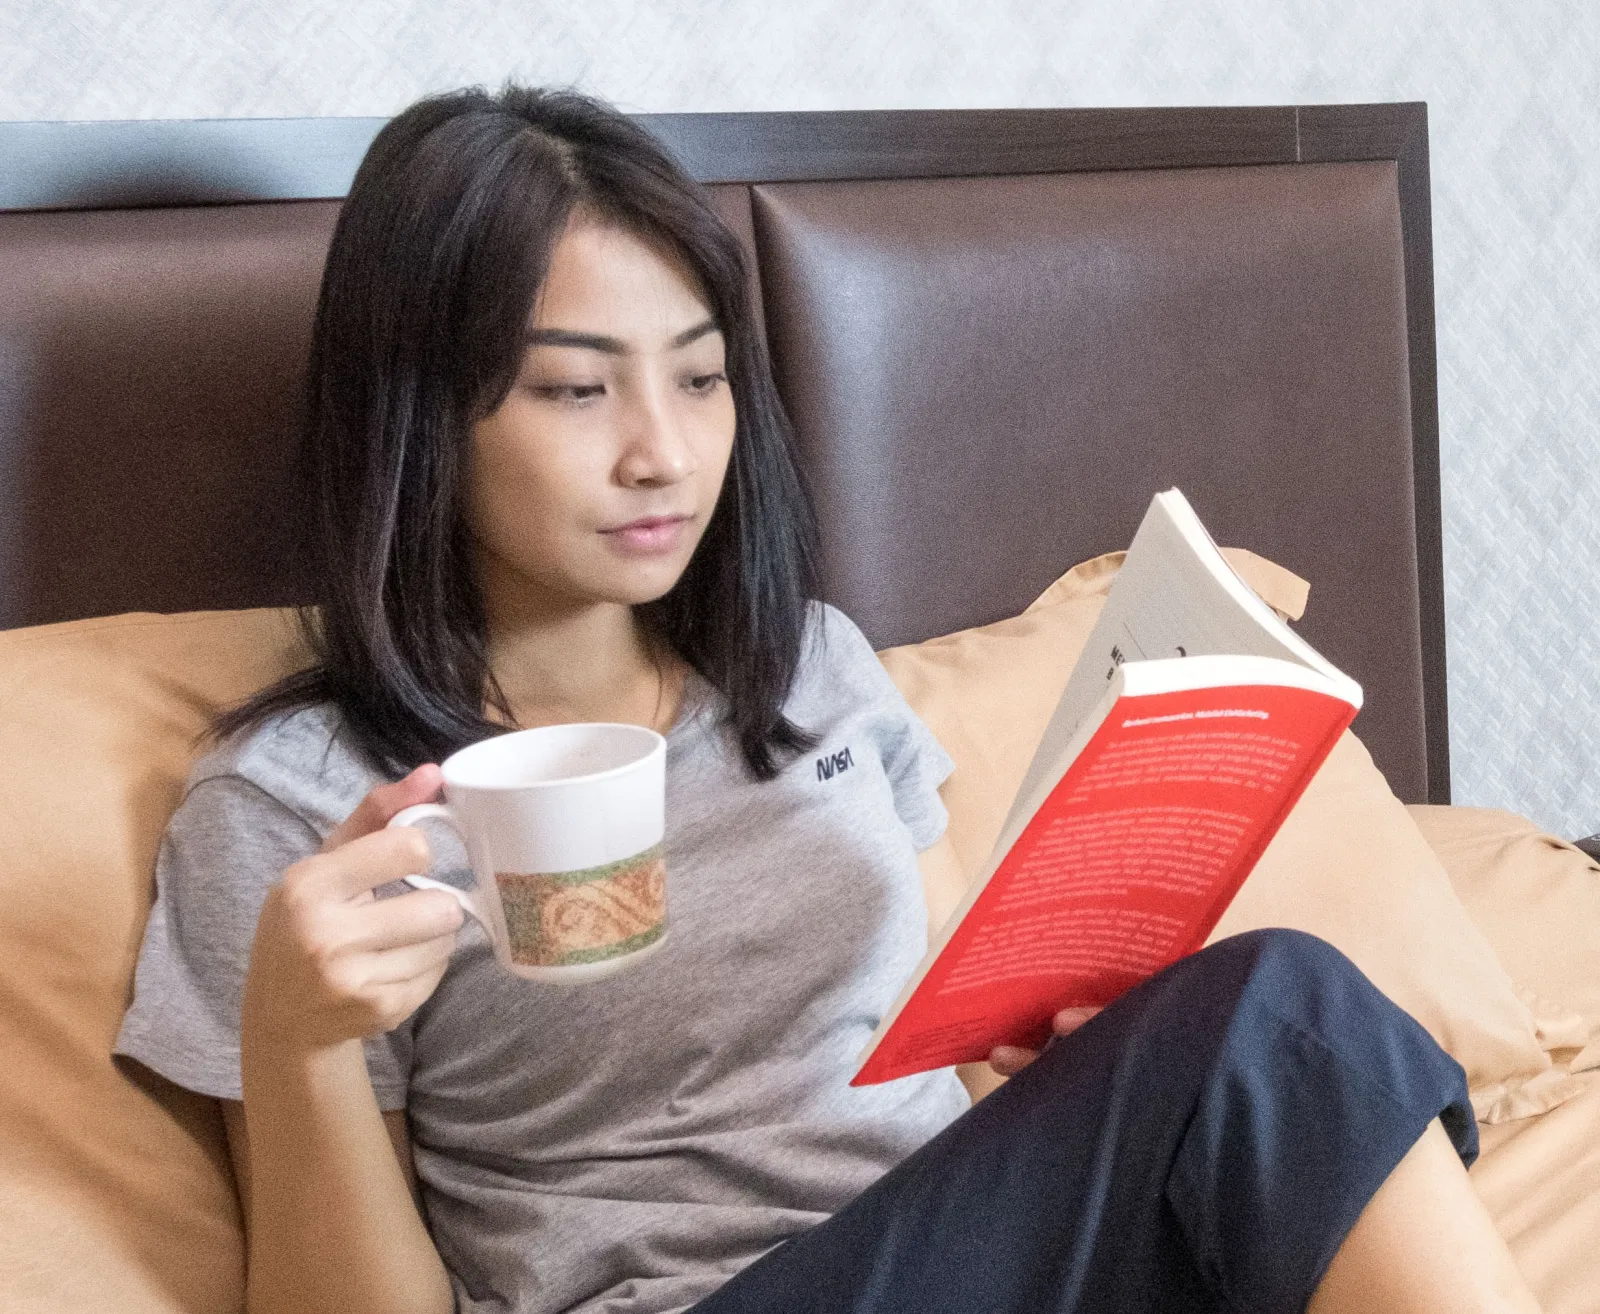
435,262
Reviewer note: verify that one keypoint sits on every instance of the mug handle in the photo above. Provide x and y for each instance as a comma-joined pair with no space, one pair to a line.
439,812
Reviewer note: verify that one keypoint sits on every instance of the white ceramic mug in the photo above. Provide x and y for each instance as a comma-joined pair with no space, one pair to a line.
563,825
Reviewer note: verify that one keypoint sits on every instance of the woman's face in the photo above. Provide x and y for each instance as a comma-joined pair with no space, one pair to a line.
595,477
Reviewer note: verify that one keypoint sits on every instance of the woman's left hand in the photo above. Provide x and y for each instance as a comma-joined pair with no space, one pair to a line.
1008,1060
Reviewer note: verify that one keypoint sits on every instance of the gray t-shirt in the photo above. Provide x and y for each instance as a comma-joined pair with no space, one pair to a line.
629,1144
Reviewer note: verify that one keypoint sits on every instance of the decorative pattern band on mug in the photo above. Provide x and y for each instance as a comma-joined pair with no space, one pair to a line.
562,919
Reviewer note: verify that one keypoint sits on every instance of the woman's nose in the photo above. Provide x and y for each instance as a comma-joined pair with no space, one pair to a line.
656,450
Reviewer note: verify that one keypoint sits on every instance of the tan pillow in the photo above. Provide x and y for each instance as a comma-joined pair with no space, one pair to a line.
1538,1177
1536,898
115,1193
1348,865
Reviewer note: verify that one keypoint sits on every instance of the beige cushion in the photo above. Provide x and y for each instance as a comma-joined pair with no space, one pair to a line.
1537,900
113,1195
1540,1179
1348,865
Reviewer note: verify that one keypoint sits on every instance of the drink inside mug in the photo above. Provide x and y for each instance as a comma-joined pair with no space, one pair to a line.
564,827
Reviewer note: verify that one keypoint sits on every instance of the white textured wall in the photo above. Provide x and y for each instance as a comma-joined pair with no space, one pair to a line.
1513,88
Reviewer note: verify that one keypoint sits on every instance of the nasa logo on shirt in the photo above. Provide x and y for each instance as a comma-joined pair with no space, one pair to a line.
831,764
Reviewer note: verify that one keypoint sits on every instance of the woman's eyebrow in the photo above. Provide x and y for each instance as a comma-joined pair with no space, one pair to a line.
554,337
699,331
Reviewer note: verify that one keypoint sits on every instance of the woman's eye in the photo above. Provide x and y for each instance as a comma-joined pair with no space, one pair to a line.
704,383
568,392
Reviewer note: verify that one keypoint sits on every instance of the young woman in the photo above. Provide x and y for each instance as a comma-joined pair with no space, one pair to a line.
553,483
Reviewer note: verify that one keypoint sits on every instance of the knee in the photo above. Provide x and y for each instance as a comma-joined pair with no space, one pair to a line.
1277,951
1235,985
1278,970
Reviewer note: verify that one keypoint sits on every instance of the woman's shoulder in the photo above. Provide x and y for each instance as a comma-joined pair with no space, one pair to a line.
833,639
302,760
837,663
846,697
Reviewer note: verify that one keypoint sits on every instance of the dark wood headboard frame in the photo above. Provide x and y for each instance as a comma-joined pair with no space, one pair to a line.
65,166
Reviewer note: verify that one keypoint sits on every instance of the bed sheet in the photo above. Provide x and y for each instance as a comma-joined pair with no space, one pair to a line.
1540,1178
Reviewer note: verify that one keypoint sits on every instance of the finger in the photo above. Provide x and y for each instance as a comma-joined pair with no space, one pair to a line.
395,1003
407,919
380,804
1069,1020
412,962
362,865
1008,1060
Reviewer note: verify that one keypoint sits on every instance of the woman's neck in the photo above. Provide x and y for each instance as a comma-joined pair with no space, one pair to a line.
589,661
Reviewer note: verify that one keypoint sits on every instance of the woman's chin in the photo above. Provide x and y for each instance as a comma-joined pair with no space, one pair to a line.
643,582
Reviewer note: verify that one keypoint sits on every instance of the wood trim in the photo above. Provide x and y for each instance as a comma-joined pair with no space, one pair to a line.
1400,133
117,165
816,147
135,163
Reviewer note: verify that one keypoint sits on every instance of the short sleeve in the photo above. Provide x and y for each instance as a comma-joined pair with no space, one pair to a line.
916,764
914,761
225,847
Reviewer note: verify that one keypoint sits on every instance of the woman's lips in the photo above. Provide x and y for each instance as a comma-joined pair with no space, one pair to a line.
648,536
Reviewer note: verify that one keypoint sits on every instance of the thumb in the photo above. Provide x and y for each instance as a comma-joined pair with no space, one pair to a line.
1069,1020
374,811
1008,1060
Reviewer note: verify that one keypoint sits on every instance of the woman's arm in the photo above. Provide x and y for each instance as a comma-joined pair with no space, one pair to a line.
394,1122
332,1222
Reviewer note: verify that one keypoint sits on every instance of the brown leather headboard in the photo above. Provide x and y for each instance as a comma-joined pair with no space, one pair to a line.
998,332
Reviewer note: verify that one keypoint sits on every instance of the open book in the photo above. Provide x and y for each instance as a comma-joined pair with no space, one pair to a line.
1189,728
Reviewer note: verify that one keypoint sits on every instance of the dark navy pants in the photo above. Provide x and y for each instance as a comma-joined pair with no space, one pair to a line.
1203,1144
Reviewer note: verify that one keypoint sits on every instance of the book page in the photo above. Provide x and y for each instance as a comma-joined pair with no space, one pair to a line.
1175,596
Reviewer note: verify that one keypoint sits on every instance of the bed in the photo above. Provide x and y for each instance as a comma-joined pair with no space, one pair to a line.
998,333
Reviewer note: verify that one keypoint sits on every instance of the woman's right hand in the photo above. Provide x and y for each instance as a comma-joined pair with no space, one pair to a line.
331,962
1008,1060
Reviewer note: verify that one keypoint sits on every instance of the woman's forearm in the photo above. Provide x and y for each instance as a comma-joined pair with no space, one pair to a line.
332,1223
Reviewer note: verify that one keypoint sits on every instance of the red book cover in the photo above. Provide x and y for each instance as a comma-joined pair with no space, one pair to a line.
1127,864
